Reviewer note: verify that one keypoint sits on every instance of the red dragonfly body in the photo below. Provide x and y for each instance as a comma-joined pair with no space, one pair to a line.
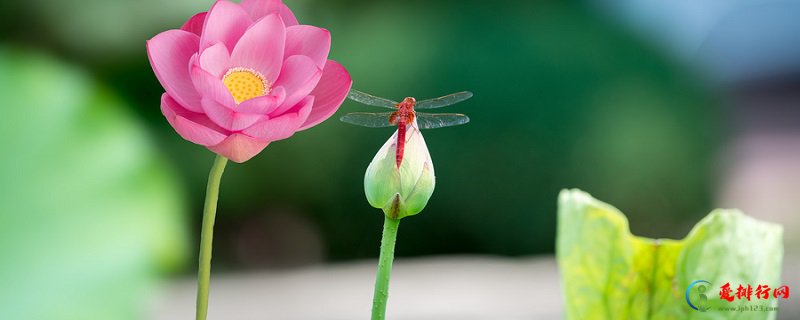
405,115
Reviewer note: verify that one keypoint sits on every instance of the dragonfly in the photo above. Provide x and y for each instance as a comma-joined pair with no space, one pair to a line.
405,114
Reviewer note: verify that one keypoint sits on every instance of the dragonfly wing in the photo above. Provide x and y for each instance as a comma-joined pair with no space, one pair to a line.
371,100
440,120
368,119
444,101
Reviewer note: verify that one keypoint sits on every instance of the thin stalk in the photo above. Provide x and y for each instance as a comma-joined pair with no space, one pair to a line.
207,235
381,294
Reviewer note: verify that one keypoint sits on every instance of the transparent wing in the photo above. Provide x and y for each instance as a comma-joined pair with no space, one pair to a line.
371,100
447,100
440,120
368,119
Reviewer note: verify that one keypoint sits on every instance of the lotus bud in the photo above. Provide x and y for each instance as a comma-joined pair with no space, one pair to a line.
401,191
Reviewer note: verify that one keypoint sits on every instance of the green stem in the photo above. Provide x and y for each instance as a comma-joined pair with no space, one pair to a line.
207,235
381,294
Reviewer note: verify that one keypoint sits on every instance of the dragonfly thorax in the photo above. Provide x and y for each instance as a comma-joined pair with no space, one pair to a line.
404,113
403,116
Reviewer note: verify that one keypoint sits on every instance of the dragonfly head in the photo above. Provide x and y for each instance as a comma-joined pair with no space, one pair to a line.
407,102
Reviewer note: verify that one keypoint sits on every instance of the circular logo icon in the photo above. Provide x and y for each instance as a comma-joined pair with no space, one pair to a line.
701,300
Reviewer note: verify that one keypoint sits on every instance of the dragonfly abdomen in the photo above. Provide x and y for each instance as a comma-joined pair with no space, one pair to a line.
401,143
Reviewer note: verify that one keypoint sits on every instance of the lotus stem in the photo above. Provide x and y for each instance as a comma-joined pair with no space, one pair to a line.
381,294
207,235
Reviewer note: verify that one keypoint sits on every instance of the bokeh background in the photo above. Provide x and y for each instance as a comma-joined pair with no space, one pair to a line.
665,109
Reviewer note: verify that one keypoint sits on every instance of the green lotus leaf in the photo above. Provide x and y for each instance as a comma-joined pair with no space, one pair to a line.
608,273
90,215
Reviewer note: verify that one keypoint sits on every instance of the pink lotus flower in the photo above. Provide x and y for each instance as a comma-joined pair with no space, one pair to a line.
243,75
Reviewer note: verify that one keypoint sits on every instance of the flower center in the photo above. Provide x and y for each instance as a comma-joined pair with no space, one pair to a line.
245,84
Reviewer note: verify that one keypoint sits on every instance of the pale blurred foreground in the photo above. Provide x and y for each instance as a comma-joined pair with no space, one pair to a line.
464,288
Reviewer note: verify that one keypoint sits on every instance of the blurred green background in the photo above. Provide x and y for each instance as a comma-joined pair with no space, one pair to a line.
564,97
